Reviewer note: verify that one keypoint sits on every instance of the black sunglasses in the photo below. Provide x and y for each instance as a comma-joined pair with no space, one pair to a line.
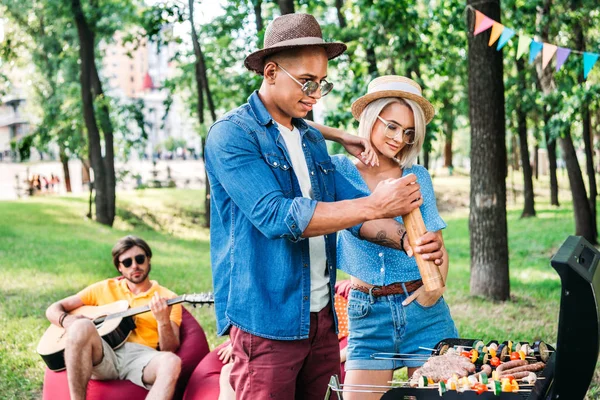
139,260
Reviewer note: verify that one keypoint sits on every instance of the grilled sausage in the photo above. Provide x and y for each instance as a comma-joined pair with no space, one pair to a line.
510,365
520,375
538,366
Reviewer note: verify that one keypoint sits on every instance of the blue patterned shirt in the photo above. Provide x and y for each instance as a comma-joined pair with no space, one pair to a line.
372,263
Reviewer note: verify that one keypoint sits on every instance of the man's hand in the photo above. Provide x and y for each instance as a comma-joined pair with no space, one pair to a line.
224,353
429,246
160,309
69,319
360,148
397,197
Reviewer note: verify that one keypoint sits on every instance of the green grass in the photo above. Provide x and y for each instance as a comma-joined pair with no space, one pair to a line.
49,250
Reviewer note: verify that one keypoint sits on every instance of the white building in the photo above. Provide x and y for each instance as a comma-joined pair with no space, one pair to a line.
14,123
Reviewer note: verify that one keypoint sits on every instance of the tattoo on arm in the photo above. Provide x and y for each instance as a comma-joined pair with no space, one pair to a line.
386,233
382,239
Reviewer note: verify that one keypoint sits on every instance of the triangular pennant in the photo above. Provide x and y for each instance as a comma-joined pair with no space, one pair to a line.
497,29
507,34
547,53
524,42
482,23
589,59
534,50
561,57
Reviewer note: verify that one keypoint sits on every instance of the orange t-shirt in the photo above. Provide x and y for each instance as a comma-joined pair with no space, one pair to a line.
115,289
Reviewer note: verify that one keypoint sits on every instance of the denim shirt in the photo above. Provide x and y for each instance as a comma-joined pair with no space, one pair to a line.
260,262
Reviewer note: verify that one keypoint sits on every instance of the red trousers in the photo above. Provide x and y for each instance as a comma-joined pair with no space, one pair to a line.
286,369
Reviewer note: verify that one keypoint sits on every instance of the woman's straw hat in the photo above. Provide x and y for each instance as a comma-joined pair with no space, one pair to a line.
393,86
291,31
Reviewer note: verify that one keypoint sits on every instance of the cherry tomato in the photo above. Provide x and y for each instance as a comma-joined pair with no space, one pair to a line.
480,388
515,356
495,361
465,354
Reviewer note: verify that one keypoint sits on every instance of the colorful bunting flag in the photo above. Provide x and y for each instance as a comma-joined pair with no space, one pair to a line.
482,23
507,34
503,35
524,42
589,59
497,29
561,57
534,50
547,54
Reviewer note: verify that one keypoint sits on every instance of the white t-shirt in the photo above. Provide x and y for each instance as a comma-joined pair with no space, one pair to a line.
319,277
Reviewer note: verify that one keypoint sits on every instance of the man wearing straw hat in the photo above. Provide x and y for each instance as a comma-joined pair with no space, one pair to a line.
276,203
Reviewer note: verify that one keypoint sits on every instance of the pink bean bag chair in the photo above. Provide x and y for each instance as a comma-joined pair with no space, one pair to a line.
204,382
193,348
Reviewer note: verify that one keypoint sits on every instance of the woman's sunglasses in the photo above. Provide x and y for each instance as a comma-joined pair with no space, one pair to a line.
139,260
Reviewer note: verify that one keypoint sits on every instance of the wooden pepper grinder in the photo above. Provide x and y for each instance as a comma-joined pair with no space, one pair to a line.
430,272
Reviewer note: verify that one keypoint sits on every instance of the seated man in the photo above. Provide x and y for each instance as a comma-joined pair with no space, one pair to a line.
88,356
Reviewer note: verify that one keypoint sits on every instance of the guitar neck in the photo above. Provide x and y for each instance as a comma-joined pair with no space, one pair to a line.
142,309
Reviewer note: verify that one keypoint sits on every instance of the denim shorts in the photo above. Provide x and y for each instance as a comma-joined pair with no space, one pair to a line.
384,325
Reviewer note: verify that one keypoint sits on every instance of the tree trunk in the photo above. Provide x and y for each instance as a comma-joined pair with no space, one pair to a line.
586,122
202,84
286,6
536,160
372,61
64,160
448,134
552,165
546,83
109,151
528,194
584,226
340,15
487,219
581,208
596,134
87,58
514,153
258,15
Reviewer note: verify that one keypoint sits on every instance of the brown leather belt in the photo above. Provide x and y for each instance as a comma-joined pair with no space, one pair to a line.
394,288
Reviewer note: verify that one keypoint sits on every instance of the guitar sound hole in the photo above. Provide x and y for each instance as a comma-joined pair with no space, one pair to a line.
99,321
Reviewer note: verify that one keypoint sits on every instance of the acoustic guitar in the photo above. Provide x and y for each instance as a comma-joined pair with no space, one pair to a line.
113,321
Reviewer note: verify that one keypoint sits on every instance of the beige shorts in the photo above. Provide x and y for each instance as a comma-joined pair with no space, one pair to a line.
125,363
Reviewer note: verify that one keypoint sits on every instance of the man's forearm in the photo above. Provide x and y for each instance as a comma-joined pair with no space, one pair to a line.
333,217
167,339
328,132
54,312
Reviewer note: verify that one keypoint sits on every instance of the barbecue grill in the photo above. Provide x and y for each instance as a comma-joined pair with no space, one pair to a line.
570,368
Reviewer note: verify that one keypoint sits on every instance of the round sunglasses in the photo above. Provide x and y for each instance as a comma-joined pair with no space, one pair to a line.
310,87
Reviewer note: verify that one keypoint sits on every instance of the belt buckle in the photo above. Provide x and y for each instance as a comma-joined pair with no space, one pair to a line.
372,289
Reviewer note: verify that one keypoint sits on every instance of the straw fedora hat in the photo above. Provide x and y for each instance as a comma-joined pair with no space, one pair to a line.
393,86
291,31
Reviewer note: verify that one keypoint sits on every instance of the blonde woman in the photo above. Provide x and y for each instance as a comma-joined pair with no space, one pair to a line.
389,311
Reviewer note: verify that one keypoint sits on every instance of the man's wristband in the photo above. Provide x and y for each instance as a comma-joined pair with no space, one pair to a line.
61,319
402,242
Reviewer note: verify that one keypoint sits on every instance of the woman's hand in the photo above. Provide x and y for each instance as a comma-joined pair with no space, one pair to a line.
423,297
360,148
